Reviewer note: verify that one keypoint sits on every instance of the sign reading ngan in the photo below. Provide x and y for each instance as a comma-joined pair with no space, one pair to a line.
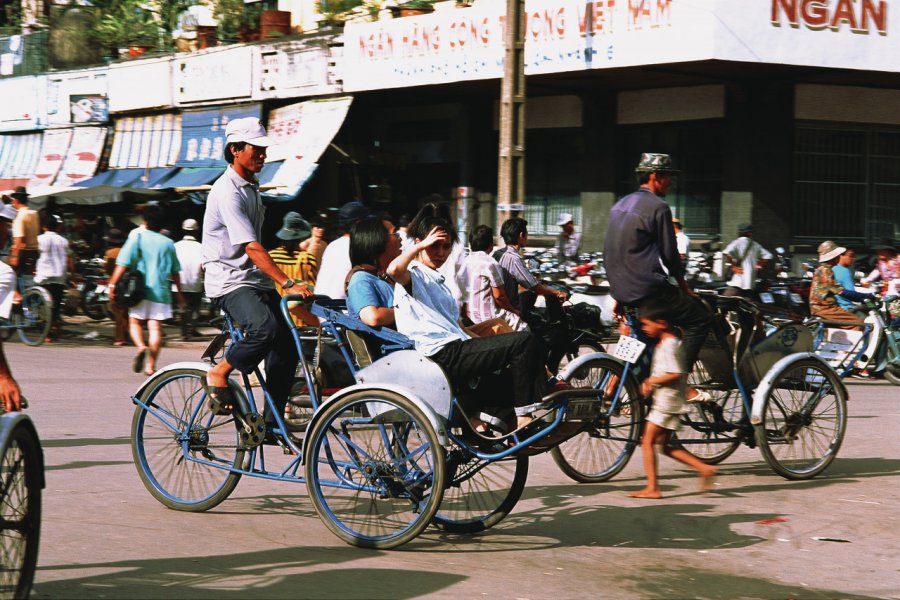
860,16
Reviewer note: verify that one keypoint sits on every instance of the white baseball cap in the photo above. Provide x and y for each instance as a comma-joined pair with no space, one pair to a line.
190,225
564,218
249,130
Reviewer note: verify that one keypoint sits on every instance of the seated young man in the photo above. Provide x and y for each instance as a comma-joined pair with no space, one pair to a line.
486,299
428,314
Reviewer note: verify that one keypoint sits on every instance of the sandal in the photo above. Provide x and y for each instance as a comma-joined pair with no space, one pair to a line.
137,365
219,399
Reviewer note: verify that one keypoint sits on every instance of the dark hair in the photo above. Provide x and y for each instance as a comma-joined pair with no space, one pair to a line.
153,216
404,220
481,238
643,177
368,241
655,310
386,216
430,216
50,222
230,148
512,228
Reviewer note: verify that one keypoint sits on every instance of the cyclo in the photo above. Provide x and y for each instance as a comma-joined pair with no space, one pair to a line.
382,459
769,390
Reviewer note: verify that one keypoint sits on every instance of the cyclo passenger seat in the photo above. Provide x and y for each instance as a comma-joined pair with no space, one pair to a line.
367,343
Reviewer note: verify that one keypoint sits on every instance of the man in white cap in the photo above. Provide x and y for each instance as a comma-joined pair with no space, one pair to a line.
10,395
568,241
190,256
825,289
240,276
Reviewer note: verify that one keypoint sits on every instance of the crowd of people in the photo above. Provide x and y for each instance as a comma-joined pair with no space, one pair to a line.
473,313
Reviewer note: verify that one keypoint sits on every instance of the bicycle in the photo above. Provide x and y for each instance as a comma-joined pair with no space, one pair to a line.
32,317
21,483
796,414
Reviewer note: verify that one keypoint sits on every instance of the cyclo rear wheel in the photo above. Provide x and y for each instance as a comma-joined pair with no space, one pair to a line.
376,482
479,493
20,511
602,450
709,431
182,451
803,421
37,313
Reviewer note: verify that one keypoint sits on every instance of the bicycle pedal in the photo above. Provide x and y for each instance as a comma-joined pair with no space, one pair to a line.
251,429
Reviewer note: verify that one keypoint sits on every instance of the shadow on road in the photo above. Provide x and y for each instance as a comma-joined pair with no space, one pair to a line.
686,582
77,442
281,573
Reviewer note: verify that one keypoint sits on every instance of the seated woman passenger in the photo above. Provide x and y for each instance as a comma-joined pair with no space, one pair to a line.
370,297
427,313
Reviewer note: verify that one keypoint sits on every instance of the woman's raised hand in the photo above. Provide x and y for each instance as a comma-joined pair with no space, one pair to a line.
434,236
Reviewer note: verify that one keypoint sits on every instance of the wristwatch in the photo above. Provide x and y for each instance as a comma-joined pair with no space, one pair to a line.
288,284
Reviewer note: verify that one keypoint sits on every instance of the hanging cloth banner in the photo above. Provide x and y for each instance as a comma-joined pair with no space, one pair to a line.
203,134
54,149
83,156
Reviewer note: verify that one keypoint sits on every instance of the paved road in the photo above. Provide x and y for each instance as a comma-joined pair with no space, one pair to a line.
104,536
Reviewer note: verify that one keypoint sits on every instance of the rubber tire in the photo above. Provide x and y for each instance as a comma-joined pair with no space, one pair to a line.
833,447
95,310
492,515
38,300
632,439
169,498
726,399
314,442
28,464
893,376
569,357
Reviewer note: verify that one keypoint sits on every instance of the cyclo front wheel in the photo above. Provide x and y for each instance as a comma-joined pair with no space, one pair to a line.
605,446
37,313
803,421
375,481
479,493
184,453
20,510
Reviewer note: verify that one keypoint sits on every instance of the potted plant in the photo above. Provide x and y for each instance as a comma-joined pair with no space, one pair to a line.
126,24
415,7
335,12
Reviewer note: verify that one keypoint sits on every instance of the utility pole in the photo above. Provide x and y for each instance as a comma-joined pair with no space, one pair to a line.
511,176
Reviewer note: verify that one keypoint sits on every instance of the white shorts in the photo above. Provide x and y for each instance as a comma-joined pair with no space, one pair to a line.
7,287
146,310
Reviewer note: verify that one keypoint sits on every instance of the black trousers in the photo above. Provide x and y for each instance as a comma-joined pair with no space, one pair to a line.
56,291
266,336
690,315
516,353
190,312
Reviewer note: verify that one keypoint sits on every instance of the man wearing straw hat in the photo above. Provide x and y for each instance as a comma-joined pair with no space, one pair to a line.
825,289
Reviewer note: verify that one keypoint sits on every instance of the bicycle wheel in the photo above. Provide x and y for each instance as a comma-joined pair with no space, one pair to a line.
580,350
479,494
376,482
803,421
603,449
20,511
37,314
183,452
708,430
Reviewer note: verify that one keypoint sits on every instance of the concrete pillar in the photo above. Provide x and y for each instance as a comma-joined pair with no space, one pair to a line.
737,208
595,207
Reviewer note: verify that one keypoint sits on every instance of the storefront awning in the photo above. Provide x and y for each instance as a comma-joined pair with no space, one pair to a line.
18,158
91,196
193,177
300,133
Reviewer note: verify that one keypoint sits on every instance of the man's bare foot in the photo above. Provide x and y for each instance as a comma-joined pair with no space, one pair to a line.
216,380
523,420
478,425
646,493
707,479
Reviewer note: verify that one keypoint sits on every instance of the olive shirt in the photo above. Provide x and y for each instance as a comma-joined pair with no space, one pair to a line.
234,218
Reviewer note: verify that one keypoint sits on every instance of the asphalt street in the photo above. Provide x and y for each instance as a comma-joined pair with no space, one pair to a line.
756,536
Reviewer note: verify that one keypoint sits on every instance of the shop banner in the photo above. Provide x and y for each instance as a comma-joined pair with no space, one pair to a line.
77,97
83,155
203,134
291,69
146,142
54,149
300,134
19,109
153,77
19,155
214,75
574,35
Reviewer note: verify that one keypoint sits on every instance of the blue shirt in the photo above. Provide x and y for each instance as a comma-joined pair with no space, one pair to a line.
365,290
844,278
153,254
